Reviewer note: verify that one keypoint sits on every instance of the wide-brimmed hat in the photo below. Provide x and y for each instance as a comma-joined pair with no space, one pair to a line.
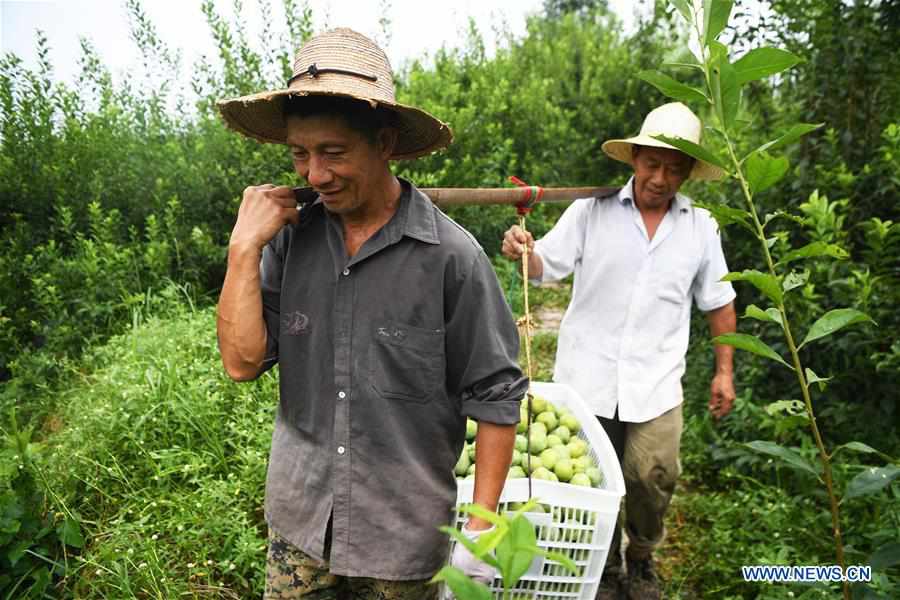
340,62
673,120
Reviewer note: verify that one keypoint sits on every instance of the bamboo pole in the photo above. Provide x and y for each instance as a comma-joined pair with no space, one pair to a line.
461,196
485,196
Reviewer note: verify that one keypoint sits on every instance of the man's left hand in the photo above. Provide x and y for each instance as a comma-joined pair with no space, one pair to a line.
466,562
721,395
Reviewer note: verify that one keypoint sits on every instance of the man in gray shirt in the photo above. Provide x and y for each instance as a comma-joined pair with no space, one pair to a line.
389,328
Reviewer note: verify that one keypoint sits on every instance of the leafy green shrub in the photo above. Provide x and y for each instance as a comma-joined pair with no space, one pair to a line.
33,538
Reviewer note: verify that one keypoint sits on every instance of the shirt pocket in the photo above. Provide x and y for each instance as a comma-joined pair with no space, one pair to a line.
407,363
672,295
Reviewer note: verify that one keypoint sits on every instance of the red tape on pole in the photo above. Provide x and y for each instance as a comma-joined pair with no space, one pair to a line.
531,195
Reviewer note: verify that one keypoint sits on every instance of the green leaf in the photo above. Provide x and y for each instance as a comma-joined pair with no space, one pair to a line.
69,532
695,150
763,62
794,280
785,454
726,89
672,88
483,513
560,558
461,585
516,556
834,320
812,378
681,65
15,551
780,214
793,408
872,480
716,18
791,415
793,134
764,282
857,447
750,343
764,171
814,249
770,315
41,577
684,8
726,215
886,556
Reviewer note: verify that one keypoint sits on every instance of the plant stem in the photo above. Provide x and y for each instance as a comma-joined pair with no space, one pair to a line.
798,368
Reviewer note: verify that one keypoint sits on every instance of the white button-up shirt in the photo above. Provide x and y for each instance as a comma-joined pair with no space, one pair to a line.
625,333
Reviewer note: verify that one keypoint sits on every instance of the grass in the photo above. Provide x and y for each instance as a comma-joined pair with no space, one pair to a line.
163,460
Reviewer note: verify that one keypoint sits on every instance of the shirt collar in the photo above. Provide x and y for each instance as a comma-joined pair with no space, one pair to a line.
626,195
413,218
418,220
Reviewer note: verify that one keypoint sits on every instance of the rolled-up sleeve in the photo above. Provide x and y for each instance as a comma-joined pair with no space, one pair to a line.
270,274
482,346
710,292
563,246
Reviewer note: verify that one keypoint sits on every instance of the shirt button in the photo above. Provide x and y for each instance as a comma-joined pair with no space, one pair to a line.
342,395
346,271
341,450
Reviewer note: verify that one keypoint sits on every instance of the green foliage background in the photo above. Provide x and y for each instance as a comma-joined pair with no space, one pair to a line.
117,199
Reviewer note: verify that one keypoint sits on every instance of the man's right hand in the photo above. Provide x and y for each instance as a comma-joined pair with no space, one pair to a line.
514,242
264,210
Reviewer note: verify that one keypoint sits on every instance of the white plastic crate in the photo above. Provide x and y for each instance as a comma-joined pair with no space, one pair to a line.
581,520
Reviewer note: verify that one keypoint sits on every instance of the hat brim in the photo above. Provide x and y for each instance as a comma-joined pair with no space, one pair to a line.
621,150
261,117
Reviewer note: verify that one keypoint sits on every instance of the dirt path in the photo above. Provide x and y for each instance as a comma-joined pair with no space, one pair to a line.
547,320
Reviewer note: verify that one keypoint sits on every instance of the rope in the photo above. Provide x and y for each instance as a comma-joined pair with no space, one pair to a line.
528,366
532,195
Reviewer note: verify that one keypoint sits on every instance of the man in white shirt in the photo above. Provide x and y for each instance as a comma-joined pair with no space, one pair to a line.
639,257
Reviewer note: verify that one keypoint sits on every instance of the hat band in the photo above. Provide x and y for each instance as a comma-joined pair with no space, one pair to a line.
314,71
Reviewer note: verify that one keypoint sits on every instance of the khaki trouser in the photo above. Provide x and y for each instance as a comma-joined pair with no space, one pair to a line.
292,574
648,453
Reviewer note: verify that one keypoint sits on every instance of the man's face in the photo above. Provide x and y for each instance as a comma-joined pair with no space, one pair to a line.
339,163
658,173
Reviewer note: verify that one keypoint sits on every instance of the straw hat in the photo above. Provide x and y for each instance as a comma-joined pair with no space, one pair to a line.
344,63
674,120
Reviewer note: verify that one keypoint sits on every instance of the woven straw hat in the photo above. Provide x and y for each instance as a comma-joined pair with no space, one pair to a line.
674,120
340,62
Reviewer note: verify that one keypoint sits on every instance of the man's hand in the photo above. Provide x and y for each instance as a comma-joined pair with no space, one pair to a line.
466,562
264,210
721,391
514,242
721,395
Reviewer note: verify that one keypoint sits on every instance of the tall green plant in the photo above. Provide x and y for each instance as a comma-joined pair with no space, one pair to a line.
757,171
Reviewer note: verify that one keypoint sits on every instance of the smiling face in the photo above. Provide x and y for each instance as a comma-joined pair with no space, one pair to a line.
343,165
658,173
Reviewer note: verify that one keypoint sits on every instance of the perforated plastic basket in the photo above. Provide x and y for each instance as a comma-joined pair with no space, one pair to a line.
580,521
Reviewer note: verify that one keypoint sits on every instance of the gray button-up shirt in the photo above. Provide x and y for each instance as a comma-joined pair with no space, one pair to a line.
381,356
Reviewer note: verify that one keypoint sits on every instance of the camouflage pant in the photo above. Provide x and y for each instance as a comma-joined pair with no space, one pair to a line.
291,574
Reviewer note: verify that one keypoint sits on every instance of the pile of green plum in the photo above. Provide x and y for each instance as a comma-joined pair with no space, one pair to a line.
548,447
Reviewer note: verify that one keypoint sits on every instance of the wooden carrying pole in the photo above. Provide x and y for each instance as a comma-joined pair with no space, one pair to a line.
478,196
461,196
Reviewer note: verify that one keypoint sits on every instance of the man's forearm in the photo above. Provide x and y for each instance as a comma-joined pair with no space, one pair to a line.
240,325
494,445
535,265
723,320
